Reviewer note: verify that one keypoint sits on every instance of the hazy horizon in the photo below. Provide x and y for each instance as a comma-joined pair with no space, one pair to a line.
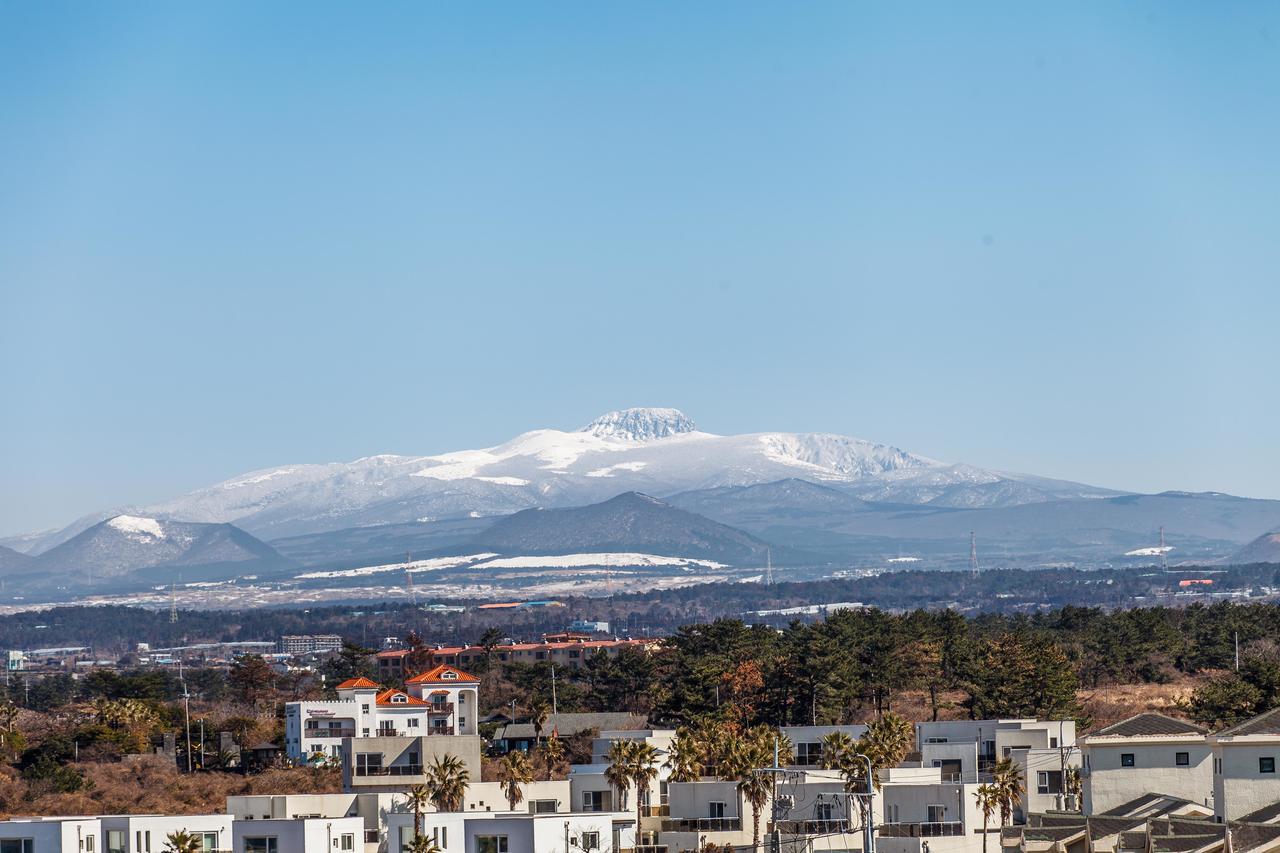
1033,239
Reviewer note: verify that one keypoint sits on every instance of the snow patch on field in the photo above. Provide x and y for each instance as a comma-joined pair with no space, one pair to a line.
611,559
504,481
1154,551
132,525
432,565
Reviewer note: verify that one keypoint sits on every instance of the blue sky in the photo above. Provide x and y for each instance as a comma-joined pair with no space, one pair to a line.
1029,237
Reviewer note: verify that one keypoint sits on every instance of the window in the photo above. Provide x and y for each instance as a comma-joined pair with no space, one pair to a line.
140,837
935,813
440,835
115,841
935,740
1049,782
824,811
413,722
88,844
590,841
368,763
266,844
348,841
542,807
715,809
209,842
892,813
596,801
808,754
1217,766
1182,759
1053,743
491,844
1126,759
16,845
1266,764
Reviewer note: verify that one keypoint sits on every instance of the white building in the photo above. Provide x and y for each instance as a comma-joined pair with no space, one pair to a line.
111,833
511,832
443,701
1145,754
307,835
1245,759
965,750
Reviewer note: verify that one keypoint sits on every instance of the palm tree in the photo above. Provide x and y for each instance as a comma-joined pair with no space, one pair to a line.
423,844
449,781
1007,781
836,749
539,713
182,841
987,799
887,741
643,768
418,797
618,773
514,770
552,750
743,758
686,757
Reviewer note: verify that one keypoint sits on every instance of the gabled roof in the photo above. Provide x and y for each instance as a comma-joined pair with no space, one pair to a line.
360,683
1263,724
443,674
386,697
1266,814
1148,805
1149,725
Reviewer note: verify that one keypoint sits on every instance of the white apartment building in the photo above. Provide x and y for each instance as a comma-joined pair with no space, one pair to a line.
1245,759
510,832
966,749
441,701
111,833
1145,754
307,835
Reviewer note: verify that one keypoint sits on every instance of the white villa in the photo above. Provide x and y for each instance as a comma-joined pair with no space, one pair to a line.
443,701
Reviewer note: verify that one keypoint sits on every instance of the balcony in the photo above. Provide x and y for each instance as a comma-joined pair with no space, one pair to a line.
703,824
440,708
393,770
440,730
655,811
813,827
921,830
320,734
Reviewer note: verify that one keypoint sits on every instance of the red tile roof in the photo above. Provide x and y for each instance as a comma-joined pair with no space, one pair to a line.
436,676
385,697
360,683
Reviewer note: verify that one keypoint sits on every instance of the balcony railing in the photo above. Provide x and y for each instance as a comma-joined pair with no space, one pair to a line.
655,811
921,830
440,708
440,730
393,770
812,827
316,734
703,824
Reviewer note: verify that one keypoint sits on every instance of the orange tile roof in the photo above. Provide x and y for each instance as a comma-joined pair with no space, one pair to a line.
384,698
434,676
360,683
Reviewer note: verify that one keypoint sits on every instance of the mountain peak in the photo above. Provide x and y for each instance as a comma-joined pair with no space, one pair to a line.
641,424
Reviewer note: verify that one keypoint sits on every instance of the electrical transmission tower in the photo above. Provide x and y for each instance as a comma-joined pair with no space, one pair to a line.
973,554
173,602
768,567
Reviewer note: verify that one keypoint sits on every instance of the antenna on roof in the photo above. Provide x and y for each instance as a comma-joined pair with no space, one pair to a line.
973,553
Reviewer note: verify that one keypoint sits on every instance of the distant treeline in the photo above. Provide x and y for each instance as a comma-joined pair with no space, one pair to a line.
116,630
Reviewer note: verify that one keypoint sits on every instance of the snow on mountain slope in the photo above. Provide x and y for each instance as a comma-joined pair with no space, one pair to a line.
652,450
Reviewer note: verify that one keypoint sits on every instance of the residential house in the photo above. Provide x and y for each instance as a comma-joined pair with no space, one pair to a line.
1145,754
305,835
1246,776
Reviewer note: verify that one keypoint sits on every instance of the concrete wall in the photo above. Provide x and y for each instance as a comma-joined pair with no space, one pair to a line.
396,750
300,836
154,828
1239,787
1107,784
55,835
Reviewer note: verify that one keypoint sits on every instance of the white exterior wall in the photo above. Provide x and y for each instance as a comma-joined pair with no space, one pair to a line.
316,835
457,832
1240,787
1032,762
1106,783
488,796
55,835
154,828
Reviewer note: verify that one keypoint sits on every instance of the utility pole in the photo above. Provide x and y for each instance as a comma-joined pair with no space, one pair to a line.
186,712
553,689
1237,639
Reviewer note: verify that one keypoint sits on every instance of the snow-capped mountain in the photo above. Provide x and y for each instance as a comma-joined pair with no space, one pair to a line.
651,450
122,547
